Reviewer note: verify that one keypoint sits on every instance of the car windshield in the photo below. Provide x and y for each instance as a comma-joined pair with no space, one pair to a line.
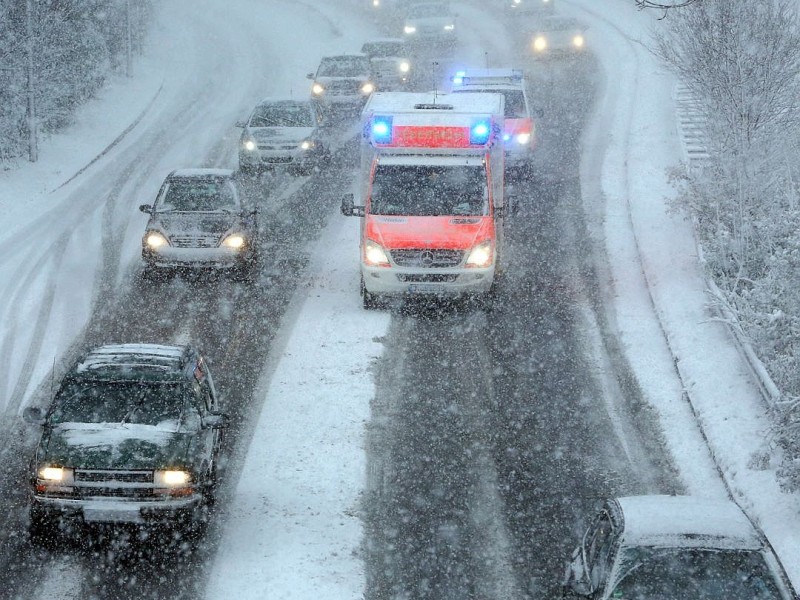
695,574
424,11
384,49
429,190
119,402
282,115
344,66
198,195
560,24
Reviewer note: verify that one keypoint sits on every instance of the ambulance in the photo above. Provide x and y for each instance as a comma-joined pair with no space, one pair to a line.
519,133
430,195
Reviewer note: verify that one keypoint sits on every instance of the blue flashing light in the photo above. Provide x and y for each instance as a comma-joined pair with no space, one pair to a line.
480,132
458,78
382,130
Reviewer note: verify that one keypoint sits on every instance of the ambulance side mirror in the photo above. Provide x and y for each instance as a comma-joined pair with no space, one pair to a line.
349,209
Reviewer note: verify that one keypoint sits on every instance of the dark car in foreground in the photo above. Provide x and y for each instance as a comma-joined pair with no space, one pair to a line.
200,220
646,547
132,436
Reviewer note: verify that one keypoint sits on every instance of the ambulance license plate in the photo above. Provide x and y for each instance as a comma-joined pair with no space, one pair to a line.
423,288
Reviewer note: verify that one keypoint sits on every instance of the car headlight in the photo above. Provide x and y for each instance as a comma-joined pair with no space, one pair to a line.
481,255
540,43
376,3
317,89
578,41
171,478
307,144
523,138
375,255
56,475
236,241
449,27
175,482
405,67
249,144
409,29
54,479
155,240
367,88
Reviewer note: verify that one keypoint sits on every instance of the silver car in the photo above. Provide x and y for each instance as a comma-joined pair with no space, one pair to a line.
281,132
675,547
558,36
391,65
430,22
200,220
342,85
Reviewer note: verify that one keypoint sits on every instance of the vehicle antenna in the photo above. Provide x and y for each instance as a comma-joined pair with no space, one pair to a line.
435,80
486,56
53,376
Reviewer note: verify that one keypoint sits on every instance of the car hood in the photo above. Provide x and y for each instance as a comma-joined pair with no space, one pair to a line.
205,222
446,233
281,134
359,78
116,446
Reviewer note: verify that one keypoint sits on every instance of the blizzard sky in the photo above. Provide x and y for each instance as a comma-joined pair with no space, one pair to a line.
294,529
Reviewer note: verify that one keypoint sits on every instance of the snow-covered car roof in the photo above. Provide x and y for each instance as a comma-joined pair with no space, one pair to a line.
686,521
284,100
198,172
127,361
402,102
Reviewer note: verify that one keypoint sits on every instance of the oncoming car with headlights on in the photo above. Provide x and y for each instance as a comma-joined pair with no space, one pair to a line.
281,133
342,85
200,220
557,36
430,23
391,65
132,436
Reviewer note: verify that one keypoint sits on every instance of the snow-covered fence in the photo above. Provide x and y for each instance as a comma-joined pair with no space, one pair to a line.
692,123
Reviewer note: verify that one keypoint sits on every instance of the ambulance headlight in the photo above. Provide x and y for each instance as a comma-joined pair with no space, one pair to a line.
409,29
367,88
540,43
523,139
375,255
480,132
578,41
317,89
405,67
481,255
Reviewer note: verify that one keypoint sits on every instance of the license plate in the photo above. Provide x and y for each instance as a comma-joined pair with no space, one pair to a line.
423,288
112,514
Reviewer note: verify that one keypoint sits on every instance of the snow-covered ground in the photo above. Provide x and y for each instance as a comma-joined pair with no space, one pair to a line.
293,529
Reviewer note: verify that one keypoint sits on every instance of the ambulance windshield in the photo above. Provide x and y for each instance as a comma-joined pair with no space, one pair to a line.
429,190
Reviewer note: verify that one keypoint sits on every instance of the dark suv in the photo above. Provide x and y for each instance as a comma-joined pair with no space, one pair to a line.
132,436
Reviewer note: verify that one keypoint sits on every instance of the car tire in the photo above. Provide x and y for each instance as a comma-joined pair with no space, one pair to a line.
44,530
369,300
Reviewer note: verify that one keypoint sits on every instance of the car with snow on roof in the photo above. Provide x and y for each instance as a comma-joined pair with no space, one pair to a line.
519,132
281,132
643,547
557,36
342,85
132,436
391,65
430,23
200,220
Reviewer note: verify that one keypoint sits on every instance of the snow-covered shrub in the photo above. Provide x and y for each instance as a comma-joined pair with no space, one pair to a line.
741,59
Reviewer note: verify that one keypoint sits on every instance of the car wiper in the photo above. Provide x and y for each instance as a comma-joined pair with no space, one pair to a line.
128,415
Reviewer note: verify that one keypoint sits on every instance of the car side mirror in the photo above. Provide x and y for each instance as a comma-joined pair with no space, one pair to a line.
146,208
216,421
241,124
33,415
310,76
349,209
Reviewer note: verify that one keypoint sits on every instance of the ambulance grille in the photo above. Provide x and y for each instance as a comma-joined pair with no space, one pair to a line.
426,258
